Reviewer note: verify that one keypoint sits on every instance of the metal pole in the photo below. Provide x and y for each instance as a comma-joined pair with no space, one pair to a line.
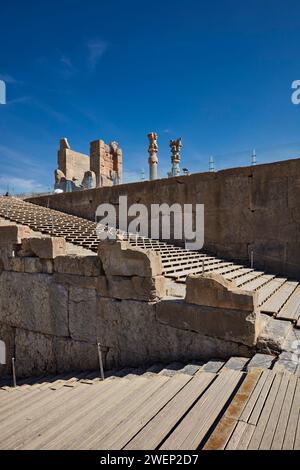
14,372
203,267
100,361
251,259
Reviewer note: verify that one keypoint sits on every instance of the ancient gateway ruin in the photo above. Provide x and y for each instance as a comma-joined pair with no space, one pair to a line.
75,170
140,343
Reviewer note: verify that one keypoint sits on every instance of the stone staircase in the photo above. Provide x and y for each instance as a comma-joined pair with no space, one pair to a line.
278,296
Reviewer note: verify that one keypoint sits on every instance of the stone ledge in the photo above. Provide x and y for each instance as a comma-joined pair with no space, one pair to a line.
213,290
227,324
48,247
119,258
12,234
136,288
79,265
85,282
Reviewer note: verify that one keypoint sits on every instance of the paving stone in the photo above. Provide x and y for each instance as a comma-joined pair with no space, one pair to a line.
213,366
155,369
291,339
191,369
261,361
285,366
171,369
237,363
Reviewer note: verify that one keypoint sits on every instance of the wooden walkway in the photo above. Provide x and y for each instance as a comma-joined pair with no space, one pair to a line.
225,409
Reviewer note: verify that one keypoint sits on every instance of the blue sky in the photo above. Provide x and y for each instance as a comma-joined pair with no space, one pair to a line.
217,73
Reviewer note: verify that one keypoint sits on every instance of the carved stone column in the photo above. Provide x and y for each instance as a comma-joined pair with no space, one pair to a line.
153,159
175,146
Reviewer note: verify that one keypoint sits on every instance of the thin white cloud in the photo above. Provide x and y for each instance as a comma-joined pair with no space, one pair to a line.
8,154
14,165
60,117
67,68
96,49
20,100
132,176
18,185
61,66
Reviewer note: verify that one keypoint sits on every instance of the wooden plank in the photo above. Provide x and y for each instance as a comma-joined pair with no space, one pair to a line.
94,426
207,267
290,434
159,427
265,414
258,282
67,420
297,438
237,274
228,422
131,425
284,415
274,304
37,417
195,264
228,269
269,289
236,435
248,277
259,405
267,439
266,375
246,437
192,429
291,310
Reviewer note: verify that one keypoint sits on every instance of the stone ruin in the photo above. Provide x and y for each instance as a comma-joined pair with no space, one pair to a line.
77,171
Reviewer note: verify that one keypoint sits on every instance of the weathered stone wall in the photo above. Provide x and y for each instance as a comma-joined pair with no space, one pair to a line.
253,208
106,162
73,164
55,308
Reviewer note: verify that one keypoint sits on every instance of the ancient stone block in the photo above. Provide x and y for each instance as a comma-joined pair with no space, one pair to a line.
13,234
135,335
274,335
82,314
32,265
25,249
84,282
212,290
13,264
73,355
137,288
80,265
239,326
121,259
34,302
102,286
34,353
47,266
48,247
